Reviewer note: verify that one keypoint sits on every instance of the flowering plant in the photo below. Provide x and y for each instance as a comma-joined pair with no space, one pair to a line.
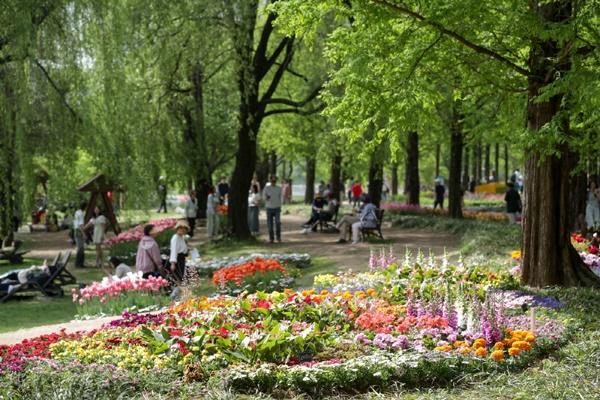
258,274
136,233
113,295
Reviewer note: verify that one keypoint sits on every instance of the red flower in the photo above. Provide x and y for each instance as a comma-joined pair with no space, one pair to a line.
593,249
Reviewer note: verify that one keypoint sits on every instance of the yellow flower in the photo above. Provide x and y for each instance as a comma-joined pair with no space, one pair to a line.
516,255
498,355
459,343
530,338
464,350
522,345
324,292
513,351
444,348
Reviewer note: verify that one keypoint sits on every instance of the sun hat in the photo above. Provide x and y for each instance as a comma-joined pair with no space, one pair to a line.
182,224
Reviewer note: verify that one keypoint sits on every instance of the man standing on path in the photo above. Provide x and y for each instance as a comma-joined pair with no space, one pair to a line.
440,191
272,194
78,224
162,194
191,211
513,203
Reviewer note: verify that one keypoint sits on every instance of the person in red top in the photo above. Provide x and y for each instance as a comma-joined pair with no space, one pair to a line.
357,192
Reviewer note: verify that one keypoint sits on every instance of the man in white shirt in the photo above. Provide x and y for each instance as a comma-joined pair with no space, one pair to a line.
78,224
179,250
272,195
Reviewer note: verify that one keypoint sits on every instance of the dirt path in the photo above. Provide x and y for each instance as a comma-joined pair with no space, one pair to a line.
347,256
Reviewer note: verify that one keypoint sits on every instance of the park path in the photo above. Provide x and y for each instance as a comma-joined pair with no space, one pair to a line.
355,257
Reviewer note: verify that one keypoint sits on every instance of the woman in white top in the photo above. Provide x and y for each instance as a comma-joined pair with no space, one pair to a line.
191,211
253,210
179,250
592,208
100,223
212,219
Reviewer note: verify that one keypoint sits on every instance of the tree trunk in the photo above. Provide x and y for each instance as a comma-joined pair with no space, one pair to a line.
8,157
486,166
548,256
394,179
506,169
412,168
309,193
273,163
262,169
455,189
473,162
465,179
336,176
437,159
577,204
478,177
497,161
250,118
202,173
376,175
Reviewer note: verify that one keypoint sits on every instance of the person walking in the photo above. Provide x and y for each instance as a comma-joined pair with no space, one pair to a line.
592,207
513,203
440,191
79,235
99,224
179,250
147,259
272,195
357,192
162,194
223,189
253,210
286,189
212,219
191,211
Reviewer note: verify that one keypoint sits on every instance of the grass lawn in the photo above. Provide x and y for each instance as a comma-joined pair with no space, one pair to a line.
41,310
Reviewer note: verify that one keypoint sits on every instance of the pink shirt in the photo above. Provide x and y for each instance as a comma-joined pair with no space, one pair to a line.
148,255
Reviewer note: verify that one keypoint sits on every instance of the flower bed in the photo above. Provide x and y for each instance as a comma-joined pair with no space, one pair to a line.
258,274
113,295
287,259
136,233
408,209
415,322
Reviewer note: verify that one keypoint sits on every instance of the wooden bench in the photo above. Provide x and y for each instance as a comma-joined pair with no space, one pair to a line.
375,231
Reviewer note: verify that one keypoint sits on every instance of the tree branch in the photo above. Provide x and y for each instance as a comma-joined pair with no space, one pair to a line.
289,53
420,58
260,54
294,110
295,73
297,104
60,93
454,35
266,64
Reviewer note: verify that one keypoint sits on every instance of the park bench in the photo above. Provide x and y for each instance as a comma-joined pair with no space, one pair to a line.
51,286
374,231
329,224
12,251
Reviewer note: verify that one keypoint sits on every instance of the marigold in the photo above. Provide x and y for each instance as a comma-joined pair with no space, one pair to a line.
479,343
522,345
513,351
324,292
530,338
459,343
445,348
498,355
464,350
499,346
481,352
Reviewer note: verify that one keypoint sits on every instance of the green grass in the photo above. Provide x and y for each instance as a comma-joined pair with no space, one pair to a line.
18,313
489,240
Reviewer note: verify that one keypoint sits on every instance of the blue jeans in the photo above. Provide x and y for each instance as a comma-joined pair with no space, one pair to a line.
274,214
253,219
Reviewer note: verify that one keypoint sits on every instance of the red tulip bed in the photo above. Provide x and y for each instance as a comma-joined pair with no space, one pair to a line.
416,323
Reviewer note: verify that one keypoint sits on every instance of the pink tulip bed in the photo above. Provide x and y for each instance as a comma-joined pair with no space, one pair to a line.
136,233
112,295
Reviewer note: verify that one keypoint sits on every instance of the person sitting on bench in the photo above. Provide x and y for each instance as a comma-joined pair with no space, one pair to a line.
318,206
367,218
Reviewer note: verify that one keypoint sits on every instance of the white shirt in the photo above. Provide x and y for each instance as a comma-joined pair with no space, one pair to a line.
122,270
178,246
254,200
272,194
191,208
78,221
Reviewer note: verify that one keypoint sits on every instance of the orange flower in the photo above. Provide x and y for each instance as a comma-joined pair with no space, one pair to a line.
479,343
530,338
481,352
513,351
522,345
499,346
459,343
498,355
